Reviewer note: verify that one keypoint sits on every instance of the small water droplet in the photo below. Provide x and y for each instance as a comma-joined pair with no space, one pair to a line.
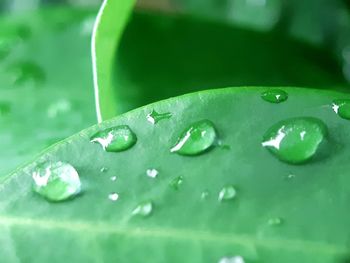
113,178
196,139
342,108
236,259
204,194
155,117
104,169
276,221
177,182
153,173
56,181
295,140
59,107
115,139
143,209
24,73
290,176
113,197
274,95
228,192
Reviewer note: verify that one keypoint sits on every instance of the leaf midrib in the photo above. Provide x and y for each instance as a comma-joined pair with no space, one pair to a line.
309,247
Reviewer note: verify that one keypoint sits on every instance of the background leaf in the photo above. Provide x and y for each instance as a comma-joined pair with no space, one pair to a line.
44,70
181,54
281,213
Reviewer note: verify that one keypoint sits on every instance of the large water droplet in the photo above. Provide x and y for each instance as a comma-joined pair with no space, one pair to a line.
154,117
274,95
196,139
295,140
27,73
113,197
236,259
56,181
228,192
342,108
153,173
177,182
143,209
115,139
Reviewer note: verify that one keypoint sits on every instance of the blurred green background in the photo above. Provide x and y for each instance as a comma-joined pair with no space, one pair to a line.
170,47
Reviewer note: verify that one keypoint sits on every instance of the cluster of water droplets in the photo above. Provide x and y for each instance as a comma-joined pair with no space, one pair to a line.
293,140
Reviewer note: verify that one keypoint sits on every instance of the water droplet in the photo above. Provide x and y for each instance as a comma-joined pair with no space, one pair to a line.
155,117
275,221
5,108
236,259
274,95
113,197
204,194
295,140
113,178
144,209
27,73
228,192
115,139
177,182
59,107
104,169
56,181
342,108
153,173
290,176
196,139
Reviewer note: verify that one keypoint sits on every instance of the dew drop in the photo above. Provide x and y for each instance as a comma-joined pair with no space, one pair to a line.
153,173
236,259
56,181
177,182
104,169
274,95
196,139
276,221
228,192
204,195
113,178
342,108
155,117
113,197
143,209
295,140
115,139
24,73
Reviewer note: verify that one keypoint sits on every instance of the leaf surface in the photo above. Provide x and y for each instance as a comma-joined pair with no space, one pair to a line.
281,212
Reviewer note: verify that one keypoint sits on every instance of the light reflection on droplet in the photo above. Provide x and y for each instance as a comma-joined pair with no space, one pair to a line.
113,197
153,173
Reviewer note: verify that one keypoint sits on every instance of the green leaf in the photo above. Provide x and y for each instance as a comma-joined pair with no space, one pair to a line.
110,23
43,74
269,211
160,56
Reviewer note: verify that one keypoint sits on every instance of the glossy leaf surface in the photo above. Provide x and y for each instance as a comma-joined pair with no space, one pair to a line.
268,211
